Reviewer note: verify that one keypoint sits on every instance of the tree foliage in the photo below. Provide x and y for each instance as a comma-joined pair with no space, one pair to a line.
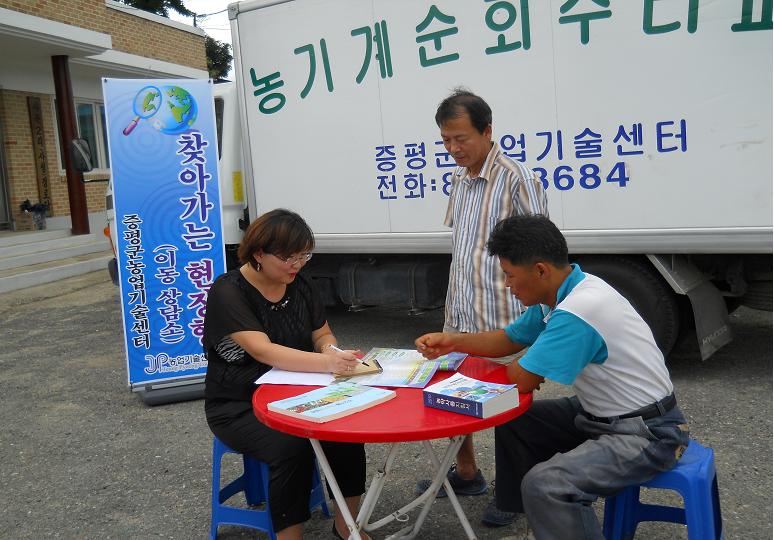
218,58
218,53
160,7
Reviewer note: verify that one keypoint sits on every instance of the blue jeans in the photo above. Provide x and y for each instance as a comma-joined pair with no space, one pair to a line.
553,462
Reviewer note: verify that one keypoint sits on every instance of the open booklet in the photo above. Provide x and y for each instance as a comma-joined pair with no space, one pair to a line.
400,367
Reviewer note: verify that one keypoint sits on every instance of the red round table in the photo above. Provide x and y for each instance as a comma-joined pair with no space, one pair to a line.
404,418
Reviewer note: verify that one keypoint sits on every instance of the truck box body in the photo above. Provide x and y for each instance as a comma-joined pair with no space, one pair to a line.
652,137
649,124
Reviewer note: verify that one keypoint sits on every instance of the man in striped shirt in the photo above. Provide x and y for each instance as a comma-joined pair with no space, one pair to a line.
486,187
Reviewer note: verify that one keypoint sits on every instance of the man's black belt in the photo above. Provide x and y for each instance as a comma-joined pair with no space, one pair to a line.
647,412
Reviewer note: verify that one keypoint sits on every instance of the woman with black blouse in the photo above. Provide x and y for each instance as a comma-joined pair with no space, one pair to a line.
265,314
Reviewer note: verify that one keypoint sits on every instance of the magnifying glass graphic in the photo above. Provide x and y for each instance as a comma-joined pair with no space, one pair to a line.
147,103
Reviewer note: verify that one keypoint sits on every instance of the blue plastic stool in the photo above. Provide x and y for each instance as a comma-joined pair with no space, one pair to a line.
694,477
254,482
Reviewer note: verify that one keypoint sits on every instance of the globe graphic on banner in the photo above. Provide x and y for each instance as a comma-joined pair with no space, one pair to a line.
178,110
169,109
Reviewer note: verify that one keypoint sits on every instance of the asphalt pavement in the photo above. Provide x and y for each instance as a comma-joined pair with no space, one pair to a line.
83,457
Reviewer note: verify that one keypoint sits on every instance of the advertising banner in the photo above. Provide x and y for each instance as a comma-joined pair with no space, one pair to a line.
163,154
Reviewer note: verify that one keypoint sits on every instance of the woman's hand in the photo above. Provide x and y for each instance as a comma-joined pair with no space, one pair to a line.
339,362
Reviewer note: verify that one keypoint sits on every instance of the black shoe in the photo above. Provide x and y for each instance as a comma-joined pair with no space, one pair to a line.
494,517
475,486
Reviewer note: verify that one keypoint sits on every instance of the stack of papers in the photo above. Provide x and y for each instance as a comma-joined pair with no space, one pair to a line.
300,378
399,368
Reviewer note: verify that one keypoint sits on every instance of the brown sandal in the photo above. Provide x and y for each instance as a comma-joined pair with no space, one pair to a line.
336,532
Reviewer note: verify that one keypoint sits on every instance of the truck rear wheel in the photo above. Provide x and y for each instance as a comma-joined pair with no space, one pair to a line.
758,295
641,285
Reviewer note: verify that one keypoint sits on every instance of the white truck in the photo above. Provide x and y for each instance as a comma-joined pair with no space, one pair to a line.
649,122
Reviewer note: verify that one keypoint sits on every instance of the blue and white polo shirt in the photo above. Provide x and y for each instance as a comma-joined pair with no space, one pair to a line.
594,340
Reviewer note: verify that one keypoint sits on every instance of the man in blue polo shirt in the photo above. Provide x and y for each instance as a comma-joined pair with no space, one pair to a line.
621,427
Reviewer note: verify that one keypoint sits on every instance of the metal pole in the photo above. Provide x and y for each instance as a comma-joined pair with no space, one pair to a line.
341,503
79,214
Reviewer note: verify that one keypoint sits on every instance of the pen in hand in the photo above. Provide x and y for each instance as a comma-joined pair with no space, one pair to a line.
335,348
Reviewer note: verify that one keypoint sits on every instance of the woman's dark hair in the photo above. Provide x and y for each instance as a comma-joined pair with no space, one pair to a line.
464,101
279,232
524,240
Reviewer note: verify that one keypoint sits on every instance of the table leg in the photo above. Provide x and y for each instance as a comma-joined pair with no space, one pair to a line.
429,495
402,513
426,498
451,451
440,477
377,484
337,495
375,490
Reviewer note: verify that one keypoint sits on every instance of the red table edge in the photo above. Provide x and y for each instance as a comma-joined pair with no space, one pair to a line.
336,430
308,430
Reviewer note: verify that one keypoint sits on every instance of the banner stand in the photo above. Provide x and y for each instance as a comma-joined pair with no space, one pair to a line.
171,392
169,243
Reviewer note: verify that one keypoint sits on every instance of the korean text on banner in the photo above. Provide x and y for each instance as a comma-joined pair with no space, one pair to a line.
163,154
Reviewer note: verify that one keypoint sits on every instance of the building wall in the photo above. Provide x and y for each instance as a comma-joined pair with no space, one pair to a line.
14,116
130,34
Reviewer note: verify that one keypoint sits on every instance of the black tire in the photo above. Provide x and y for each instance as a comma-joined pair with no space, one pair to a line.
113,270
758,295
732,303
644,288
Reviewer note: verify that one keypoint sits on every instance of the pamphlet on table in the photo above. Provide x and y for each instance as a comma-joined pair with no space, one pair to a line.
362,368
470,396
334,401
451,361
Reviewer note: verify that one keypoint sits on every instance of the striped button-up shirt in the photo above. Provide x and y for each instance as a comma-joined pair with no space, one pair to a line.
477,299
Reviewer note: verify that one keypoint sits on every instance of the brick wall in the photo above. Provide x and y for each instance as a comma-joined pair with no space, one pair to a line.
130,34
14,116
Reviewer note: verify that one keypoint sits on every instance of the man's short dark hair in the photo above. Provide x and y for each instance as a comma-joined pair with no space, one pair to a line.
525,240
464,101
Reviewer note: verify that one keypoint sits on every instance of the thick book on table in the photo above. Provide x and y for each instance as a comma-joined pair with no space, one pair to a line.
470,396
331,402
